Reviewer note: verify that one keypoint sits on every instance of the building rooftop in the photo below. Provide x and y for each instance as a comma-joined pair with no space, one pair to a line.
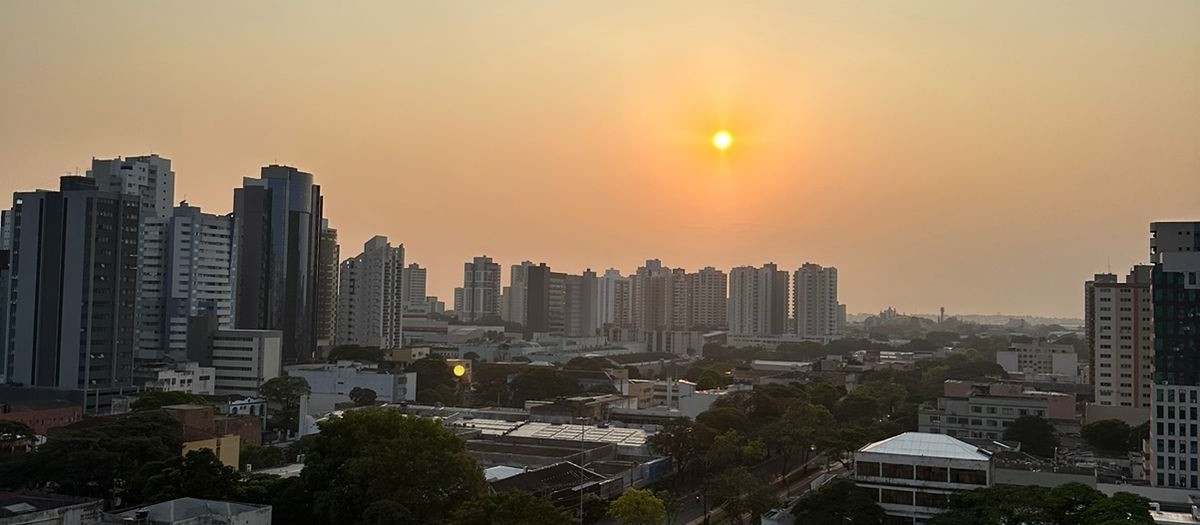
17,503
500,472
36,404
620,436
928,445
182,509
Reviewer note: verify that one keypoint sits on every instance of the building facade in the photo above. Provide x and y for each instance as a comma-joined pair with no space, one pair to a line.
184,269
816,301
984,411
1119,319
328,265
480,296
147,177
371,296
758,300
1037,358
707,304
72,287
412,286
1175,285
614,295
912,475
331,384
276,230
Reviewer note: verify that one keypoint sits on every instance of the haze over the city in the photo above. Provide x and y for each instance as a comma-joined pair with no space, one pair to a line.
982,157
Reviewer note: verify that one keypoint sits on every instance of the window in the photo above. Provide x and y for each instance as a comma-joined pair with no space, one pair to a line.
866,468
896,497
893,470
930,499
925,473
968,476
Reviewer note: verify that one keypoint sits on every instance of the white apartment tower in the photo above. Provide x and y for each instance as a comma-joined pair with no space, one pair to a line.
1122,371
816,301
371,298
184,270
413,284
516,292
758,300
480,296
148,177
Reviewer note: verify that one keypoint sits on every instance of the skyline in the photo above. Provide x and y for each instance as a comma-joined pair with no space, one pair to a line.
1045,126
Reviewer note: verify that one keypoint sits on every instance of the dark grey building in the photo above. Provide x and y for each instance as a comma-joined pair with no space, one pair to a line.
277,233
327,285
73,277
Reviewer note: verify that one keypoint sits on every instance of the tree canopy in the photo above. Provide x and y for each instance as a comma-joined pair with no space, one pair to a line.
153,400
1111,435
1069,504
1036,435
638,507
362,396
510,508
381,466
542,383
840,502
199,474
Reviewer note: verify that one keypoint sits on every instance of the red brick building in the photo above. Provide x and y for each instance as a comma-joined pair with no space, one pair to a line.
42,416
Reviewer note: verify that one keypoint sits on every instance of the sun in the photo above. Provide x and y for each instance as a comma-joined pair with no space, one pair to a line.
722,140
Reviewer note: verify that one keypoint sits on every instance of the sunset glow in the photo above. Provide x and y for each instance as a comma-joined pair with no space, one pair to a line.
722,140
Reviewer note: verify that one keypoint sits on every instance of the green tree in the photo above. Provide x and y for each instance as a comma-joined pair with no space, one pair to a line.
798,432
825,394
709,379
1111,435
722,419
685,442
542,383
638,507
435,381
1036,435
1069,504
14,435
96,458
413,465
153,400
263,457
743,495
283,393
199,474
672,505
362,396
840,502
509,508
857,409
595,508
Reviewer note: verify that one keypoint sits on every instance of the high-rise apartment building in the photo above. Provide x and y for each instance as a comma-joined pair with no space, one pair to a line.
328,265
707,305
148,177
6,232
514,294
1122,370
72,287
661,298
580,302
480,295
371,296
184,269
412,283
816,301
614,296
546,301
277,230
758,300
1175,288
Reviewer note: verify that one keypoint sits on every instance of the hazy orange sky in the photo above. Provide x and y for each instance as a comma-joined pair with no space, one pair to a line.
982,156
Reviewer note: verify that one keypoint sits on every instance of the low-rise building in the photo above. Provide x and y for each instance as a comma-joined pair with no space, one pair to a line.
243,359
187,377
912,475
223,435
1037,359
44,508
331,383
984,411
192,511
42,415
